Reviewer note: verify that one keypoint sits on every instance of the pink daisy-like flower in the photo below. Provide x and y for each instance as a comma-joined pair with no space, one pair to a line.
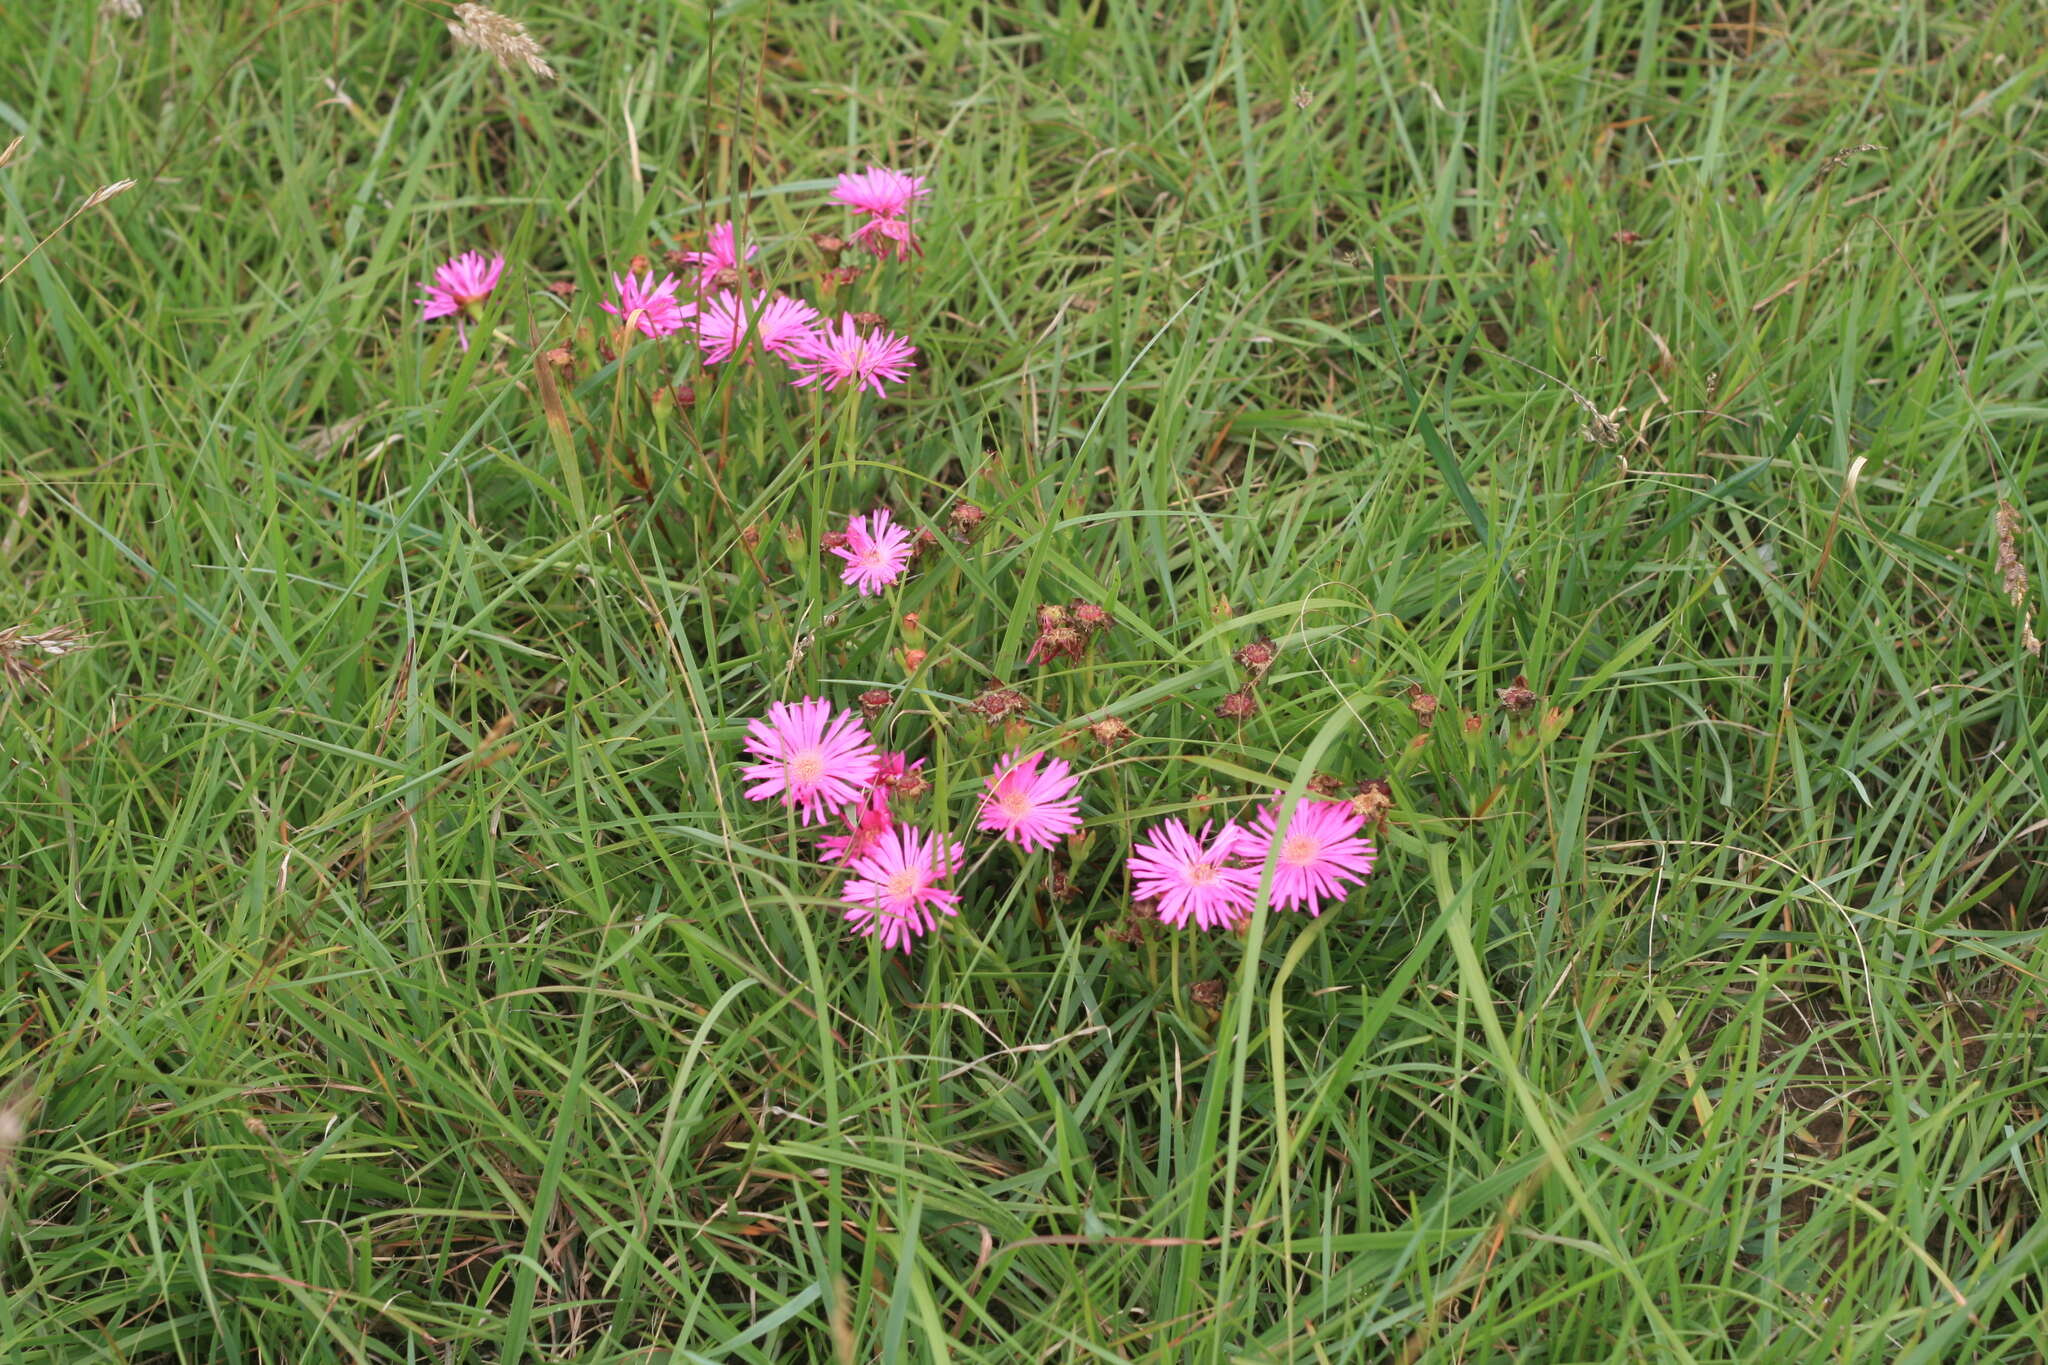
650,306
1192,876
813,757
781,325
721,253
458,287
842,354
881,192
865,826
894,889
869,821
1320,852
888,236
1030,807
876,552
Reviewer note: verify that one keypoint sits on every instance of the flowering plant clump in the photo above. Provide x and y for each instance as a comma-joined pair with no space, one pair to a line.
719,302
898,844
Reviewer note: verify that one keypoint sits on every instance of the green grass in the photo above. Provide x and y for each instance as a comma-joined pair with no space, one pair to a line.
391,971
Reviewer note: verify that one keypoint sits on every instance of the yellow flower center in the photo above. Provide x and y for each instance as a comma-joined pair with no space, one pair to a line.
1013,803
806,767
1300,849
904,884
1201,874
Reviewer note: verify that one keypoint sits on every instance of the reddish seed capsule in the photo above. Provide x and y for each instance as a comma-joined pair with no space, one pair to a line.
874,702
964,520
1240,705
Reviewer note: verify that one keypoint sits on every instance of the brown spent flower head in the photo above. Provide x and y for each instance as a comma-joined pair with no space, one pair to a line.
964,520
1474,723
830,541
1060,887
998,702
1325,786
639,265
2009,566
866,320
750,536
874,702
913,624
913,659
1109,732
1257,657
1209,994
921,544
686,395
1516,699
1423,704
1058,637
1240,705
1375,798
562,289
24,652
910,786
1089,617
828,243
500,37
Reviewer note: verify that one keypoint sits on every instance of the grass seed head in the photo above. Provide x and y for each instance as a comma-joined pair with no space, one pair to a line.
2010,568
500,37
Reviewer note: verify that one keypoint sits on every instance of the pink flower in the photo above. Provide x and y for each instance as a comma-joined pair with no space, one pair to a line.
865,826
884,236
780,324
458,287
841,356
1321,851
721,254
876,552
869,821
883,193
894,888
1191,876
1028,807
653,308
811,756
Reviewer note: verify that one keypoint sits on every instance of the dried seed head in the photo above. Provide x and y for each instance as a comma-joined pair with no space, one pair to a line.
1061,642
923,541
828,244
120,9
1052,616
1110,732
1209,994
1258,656
1326,786
964,520
2028,640
1240,705
1473,724
912,785
2009,566
997,702
1516,699
865,320
562,289
1089,617
502,38
750,537
1375,798
913,659
1423,704
1060,887
874,702
104,193
830,541
24,652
